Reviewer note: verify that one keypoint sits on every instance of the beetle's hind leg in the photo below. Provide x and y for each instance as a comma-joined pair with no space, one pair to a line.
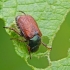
13,30
20,34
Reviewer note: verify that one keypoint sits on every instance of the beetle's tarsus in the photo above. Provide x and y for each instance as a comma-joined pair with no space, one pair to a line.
30,54
29,51
5,27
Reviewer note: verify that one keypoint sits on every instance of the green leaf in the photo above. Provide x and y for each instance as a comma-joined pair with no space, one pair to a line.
49,15
63,64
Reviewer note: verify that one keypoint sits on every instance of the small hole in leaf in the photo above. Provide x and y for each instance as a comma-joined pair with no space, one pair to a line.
42,48
39,62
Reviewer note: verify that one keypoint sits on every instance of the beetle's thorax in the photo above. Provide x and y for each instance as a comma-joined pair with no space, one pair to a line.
34,43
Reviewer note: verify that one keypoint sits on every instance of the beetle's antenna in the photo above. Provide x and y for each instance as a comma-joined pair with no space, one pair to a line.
22,12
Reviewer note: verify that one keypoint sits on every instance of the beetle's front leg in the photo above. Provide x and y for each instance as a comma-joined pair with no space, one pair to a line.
45,45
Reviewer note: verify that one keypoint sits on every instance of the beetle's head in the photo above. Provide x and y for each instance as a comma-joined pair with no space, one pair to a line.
34,43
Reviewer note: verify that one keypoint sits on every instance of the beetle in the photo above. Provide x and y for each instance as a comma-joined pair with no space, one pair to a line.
29,30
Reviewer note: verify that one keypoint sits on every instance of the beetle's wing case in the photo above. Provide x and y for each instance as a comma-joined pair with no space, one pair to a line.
28,26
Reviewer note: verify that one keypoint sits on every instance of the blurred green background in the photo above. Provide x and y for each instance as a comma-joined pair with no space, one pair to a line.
9,60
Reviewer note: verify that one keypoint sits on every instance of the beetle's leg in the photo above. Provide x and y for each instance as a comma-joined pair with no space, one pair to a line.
18,39
45,45
29,51
22,34
13,30
23,41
